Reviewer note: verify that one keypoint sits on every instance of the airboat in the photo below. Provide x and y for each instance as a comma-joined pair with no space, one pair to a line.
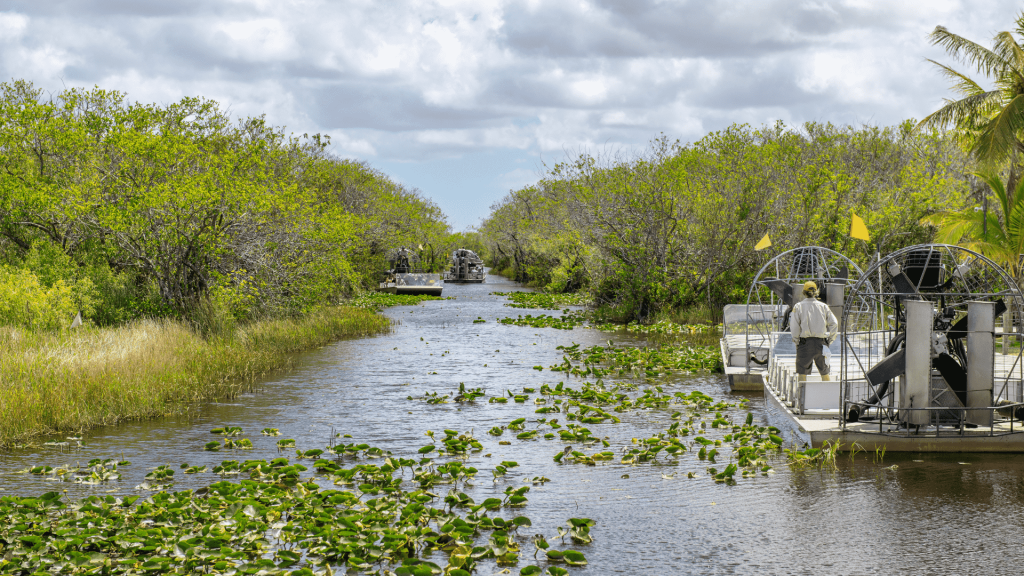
404,277
929,359
465,268
757,331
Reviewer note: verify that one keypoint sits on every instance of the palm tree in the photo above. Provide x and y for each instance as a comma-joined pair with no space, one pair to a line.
998,234
989,123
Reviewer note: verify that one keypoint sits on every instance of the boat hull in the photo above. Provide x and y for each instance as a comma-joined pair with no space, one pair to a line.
413,284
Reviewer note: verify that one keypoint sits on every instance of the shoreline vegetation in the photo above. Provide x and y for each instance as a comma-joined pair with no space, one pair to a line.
65,382
198,250
669,233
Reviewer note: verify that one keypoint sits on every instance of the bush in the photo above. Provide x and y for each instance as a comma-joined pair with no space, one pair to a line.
26,302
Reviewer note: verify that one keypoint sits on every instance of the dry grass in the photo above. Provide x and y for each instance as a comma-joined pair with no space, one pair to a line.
60,383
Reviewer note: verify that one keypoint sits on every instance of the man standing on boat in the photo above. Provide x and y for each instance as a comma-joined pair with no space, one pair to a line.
813,326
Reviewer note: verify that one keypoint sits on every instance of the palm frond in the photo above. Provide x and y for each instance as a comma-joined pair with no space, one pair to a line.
1007,48
996,184
1000,135
953,227
997,253
956,112
961,83
1014,217
986,61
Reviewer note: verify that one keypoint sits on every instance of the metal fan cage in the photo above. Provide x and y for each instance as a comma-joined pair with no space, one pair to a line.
765,312
950,277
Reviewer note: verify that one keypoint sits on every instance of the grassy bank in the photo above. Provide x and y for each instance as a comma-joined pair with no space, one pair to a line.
67,382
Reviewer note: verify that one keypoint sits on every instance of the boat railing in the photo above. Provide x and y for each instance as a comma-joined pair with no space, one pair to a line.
937,421
390,274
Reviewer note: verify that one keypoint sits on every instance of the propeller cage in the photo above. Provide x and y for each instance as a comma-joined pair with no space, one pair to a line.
751,329
932,344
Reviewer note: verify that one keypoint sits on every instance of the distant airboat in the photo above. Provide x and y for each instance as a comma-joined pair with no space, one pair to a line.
465,268
403,276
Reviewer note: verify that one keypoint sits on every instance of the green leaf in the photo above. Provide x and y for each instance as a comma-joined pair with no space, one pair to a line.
574,558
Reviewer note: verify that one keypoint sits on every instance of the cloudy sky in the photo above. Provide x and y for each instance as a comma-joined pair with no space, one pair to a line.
467,99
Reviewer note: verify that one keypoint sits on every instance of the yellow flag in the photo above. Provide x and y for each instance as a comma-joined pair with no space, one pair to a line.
764,243
857,228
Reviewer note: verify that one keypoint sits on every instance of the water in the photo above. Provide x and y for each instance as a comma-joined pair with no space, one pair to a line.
932,514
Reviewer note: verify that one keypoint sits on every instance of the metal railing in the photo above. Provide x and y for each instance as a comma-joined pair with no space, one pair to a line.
892,420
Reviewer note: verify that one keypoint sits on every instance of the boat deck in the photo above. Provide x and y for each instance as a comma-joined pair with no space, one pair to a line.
819,428
743,374
812,406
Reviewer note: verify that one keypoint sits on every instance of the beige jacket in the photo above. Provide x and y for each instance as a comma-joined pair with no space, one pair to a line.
811,318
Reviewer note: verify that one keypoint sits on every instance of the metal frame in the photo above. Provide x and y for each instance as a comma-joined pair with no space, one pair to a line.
950,277
799,265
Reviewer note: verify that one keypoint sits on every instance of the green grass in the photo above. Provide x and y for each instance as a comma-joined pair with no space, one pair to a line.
70,381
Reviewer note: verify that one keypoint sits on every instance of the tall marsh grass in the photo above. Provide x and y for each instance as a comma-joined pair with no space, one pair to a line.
67,382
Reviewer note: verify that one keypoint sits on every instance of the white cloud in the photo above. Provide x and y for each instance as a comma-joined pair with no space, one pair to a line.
261,39
408,81
12,26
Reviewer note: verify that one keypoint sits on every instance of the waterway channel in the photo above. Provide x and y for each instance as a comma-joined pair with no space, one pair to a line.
911,513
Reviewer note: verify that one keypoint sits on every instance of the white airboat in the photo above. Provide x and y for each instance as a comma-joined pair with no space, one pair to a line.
929,356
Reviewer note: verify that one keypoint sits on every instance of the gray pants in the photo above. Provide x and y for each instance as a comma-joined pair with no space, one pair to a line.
808,352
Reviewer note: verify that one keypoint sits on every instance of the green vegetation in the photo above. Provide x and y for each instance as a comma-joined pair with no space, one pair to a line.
67,381
125,210
197,250
649,362
567,321
378,300
988,123
274,521
669,233
997,232
543,300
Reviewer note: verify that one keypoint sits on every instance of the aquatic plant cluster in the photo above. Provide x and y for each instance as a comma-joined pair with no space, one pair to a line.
276,518
597,403
543,300
382,513
694,334
567,321
649,362
662,327
378,300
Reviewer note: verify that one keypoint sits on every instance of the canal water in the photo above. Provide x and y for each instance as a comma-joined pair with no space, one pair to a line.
912,513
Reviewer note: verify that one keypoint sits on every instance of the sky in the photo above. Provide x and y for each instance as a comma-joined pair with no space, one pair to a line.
466,100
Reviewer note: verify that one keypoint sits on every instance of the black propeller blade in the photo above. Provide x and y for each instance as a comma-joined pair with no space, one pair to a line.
901,282
843,274
954,374
959,330
781,289
888,368
880,375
